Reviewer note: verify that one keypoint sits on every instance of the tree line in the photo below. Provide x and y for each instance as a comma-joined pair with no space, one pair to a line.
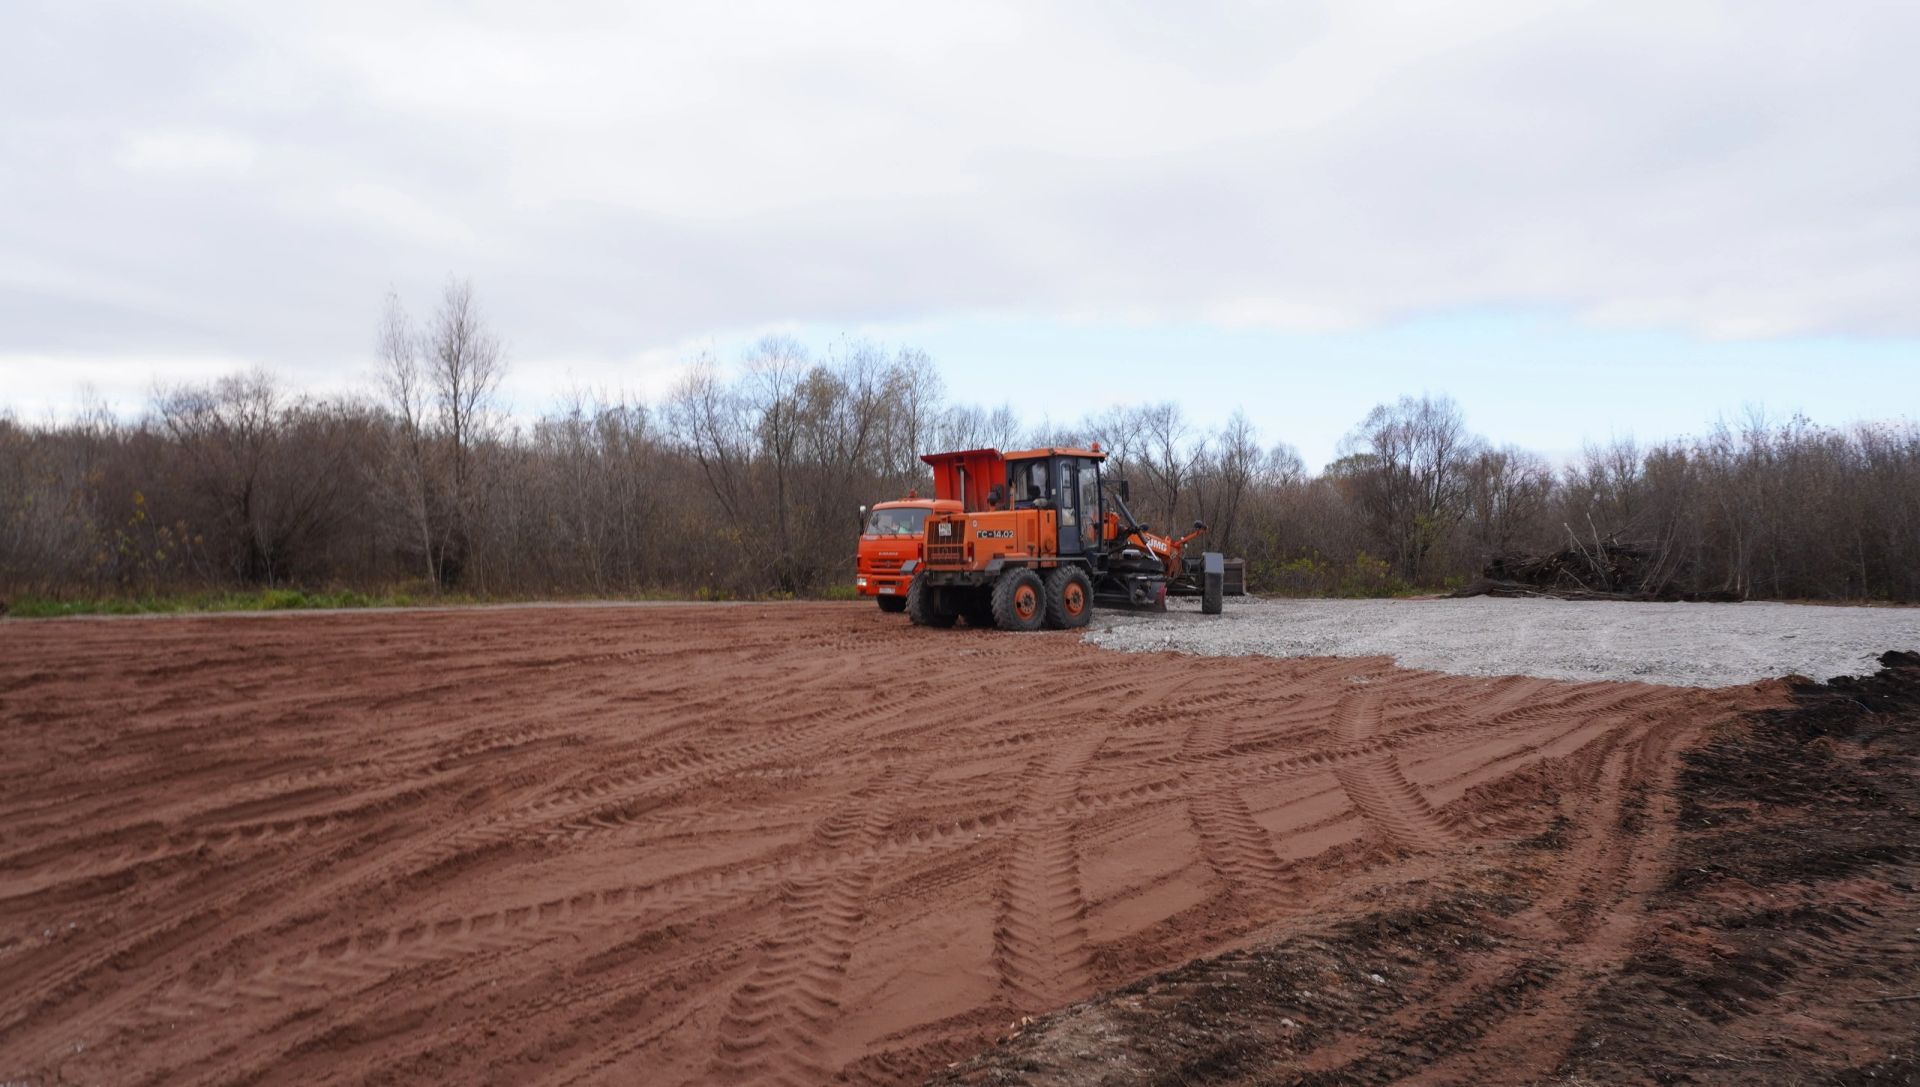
746,481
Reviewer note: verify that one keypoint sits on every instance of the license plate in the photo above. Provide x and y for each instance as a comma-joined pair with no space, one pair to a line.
886,590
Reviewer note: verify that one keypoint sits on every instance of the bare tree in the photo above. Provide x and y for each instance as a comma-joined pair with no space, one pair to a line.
1118,430
1508,492
1239,465
967,426
225,431
406,475
1166,456
775,369
1282,466
914,391
465,364
439,385
1409,460
265,476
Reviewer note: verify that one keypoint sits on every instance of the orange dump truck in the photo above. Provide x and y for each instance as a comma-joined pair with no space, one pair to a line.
894,535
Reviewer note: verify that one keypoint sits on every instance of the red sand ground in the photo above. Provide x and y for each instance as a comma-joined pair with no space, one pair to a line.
776,844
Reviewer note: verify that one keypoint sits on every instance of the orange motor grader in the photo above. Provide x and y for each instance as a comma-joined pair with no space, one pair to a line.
1040,536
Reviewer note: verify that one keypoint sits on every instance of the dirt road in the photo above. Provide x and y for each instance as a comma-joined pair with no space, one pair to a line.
745,845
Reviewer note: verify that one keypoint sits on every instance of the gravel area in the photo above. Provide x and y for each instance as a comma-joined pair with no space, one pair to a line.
1687,645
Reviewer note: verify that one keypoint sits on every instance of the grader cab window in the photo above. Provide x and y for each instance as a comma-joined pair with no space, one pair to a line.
1029,482
1090,512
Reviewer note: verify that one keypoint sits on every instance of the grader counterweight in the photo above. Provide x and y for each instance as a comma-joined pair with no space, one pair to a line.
1042,535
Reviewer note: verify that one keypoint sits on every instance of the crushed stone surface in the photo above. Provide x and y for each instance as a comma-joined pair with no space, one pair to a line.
1687,645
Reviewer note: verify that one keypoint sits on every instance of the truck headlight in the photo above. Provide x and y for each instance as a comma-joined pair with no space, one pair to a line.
859,583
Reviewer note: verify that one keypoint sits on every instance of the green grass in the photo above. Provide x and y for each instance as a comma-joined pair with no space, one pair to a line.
1314,577
33,607
43,607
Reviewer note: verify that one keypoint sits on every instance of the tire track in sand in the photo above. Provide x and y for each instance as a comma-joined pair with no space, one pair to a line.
1040,940
354,963
1391,805
1234,845
777,1019
1042,907
575,809
1510,1017
210,820
1591,910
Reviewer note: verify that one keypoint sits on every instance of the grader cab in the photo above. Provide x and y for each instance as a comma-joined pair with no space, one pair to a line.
1042,535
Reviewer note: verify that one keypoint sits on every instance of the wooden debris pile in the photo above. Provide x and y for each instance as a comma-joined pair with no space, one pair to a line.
1604,570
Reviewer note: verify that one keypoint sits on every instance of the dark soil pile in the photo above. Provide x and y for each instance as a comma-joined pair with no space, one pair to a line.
1787,946
1762,926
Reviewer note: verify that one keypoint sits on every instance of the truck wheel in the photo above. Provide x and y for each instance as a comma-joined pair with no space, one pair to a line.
925,608
1211,594
1019,601
894,604
1069,598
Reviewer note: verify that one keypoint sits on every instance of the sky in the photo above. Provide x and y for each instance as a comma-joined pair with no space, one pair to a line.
1581,221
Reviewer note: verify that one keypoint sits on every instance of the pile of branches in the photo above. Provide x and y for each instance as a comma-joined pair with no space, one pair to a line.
1605,569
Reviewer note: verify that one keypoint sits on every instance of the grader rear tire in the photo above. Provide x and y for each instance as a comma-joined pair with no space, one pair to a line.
1069,598
1019,601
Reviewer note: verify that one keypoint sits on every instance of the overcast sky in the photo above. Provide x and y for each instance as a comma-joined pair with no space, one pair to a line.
1298,210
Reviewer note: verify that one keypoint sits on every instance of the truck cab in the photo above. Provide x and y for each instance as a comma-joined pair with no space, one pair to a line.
894,535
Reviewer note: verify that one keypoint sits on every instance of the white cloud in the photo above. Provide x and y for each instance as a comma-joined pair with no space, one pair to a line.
534,386
57,386
187,151
404,216
623,179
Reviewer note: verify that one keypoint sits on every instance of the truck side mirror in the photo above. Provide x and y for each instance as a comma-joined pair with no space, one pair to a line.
1199,526
1125,493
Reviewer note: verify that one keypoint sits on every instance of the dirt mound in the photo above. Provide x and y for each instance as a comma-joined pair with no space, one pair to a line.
1748,915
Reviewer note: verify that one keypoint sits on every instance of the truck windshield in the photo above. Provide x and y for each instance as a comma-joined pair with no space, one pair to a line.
899,522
